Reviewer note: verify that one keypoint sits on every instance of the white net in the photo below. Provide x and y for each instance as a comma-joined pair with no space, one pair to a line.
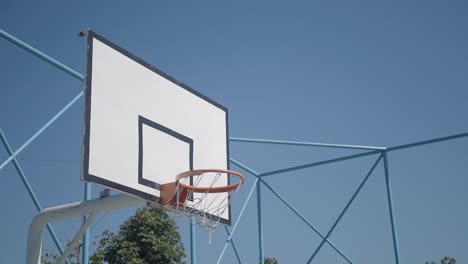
201,198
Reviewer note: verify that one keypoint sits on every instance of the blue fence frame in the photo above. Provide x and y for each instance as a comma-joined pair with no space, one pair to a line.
381,152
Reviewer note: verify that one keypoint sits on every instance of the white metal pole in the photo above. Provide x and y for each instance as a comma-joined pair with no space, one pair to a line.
72,210
76,240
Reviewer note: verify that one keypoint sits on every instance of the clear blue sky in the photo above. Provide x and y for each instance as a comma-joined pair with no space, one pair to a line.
379,73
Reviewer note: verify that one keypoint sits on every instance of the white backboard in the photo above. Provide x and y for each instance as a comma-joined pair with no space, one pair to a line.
143,127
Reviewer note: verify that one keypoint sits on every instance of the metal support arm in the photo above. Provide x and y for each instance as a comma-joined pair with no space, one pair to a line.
72,210
76,240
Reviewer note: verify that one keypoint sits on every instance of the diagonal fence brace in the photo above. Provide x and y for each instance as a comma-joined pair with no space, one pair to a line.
346,208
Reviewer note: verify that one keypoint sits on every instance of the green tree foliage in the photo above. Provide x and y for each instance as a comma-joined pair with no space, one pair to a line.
150,236
271,261
444,260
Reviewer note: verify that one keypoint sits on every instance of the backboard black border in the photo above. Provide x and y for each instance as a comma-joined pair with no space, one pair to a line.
85,175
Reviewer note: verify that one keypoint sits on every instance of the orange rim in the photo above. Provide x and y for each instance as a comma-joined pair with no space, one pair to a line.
219,189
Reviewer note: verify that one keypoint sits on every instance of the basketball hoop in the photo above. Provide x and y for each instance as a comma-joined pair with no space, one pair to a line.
198,194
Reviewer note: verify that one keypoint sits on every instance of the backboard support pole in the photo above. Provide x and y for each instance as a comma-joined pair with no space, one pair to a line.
72,210
76,240
85,253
